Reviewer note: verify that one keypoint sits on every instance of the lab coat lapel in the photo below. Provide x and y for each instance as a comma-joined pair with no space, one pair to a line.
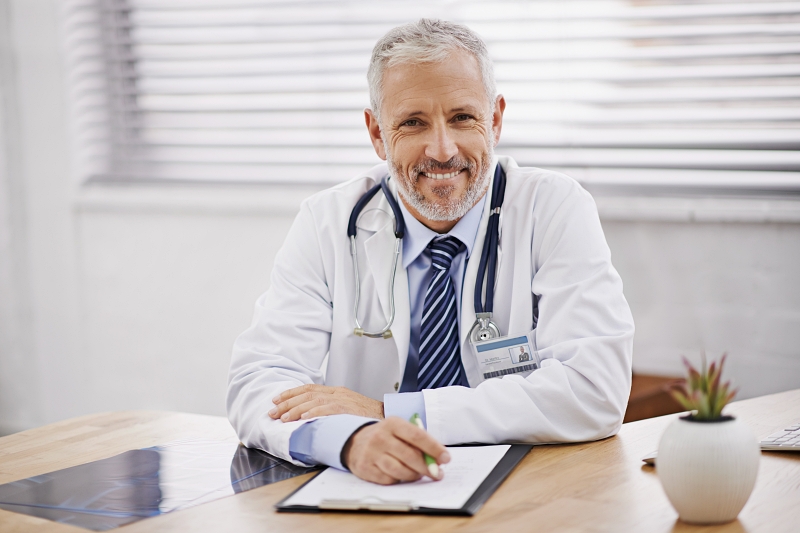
468,317
380,249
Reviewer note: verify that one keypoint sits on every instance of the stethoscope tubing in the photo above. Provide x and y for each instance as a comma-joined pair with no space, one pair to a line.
399,233
487,266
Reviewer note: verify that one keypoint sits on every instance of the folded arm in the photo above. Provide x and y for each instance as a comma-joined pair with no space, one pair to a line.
584,337
286,343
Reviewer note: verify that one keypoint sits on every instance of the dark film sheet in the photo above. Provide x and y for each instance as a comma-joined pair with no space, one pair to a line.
138,484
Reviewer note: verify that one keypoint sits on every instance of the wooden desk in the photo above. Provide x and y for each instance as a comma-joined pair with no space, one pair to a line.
600,486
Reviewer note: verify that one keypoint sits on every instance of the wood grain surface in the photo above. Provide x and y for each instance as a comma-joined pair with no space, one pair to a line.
587,487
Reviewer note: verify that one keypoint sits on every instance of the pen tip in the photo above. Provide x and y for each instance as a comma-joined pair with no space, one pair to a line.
433,468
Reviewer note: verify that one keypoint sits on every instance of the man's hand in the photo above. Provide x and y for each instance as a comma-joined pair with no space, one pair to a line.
391,451
309,401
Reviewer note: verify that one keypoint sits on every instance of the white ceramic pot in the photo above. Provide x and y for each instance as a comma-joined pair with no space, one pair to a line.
708,469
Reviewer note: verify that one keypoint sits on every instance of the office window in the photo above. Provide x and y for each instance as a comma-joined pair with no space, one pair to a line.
636,91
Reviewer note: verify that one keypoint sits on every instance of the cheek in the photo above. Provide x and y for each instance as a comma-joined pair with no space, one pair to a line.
477,144
406,151
474,136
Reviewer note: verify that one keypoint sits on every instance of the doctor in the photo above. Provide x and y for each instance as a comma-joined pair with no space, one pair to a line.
303,386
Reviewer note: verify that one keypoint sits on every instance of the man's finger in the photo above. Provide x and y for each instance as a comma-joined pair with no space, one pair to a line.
375,475
409,456
309,387
295,412
291,393
291,403
283,407
324,410
421,440
395,469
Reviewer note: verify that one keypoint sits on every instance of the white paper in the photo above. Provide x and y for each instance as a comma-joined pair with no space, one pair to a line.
467,469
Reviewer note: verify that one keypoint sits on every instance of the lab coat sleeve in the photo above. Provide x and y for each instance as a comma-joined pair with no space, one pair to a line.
286,343
585,338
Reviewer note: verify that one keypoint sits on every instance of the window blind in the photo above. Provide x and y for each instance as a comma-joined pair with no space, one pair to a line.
659,92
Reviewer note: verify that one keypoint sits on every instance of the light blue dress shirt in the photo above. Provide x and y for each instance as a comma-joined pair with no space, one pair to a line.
321,441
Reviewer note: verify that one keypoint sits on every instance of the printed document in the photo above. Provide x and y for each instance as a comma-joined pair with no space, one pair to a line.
468,468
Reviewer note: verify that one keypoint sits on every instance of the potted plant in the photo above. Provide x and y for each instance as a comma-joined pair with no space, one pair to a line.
707,462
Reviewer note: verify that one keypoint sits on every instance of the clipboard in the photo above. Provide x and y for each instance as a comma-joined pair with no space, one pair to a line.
502,469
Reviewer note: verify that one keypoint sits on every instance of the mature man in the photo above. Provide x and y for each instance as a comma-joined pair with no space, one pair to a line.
523,355
435,118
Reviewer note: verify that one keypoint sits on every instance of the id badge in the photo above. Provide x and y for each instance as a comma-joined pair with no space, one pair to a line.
504,356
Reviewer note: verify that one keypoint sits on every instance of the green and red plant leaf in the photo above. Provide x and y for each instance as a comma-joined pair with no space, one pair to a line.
704,393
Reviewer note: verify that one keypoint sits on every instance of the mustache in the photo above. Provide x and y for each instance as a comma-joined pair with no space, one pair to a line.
432,165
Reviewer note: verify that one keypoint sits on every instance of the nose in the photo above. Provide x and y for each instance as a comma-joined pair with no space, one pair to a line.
440,145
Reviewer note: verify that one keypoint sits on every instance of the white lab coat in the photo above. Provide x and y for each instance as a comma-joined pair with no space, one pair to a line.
551,245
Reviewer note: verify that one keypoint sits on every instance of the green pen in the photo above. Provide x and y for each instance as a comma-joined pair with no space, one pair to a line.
433,467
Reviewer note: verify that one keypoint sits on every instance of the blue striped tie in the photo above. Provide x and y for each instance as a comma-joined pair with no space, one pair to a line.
439,352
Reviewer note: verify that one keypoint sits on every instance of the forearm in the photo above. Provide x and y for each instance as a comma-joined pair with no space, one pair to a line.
249,400
256,378
580,398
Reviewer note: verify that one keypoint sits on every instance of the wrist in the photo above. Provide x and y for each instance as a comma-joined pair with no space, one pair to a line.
344,456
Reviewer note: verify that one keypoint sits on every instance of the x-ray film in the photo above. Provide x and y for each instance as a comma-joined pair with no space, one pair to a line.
139,484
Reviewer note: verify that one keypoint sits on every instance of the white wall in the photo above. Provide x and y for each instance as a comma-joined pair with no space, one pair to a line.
167,287
41,329
715,287
117,297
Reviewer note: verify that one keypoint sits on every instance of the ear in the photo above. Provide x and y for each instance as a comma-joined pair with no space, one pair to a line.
497,117
374,129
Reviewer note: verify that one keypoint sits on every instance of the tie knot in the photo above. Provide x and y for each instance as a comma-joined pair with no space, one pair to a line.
443,250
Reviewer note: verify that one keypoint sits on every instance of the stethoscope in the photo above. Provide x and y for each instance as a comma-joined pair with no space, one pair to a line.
484,327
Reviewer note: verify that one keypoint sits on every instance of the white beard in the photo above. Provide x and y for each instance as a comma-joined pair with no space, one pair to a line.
454,208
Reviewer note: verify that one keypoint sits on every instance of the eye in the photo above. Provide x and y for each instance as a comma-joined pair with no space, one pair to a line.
412,122
463,117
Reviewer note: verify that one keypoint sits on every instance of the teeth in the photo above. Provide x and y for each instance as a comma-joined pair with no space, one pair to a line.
443,176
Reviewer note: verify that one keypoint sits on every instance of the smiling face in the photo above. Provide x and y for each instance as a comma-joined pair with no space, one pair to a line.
437,132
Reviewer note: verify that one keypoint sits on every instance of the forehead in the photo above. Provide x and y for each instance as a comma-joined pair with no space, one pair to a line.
427,87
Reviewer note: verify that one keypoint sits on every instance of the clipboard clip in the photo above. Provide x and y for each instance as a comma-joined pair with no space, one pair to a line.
372,504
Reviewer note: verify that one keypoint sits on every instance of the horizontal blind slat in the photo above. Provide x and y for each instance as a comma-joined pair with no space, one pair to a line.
253,90
513,135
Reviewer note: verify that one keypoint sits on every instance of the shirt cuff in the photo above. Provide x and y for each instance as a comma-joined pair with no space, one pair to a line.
320,441
405,405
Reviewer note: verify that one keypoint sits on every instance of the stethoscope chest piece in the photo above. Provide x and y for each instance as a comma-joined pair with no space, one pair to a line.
484,328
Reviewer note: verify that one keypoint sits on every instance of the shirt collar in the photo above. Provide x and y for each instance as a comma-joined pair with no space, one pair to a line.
418,236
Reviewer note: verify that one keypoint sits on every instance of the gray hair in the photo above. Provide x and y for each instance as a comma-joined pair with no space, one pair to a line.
426,41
